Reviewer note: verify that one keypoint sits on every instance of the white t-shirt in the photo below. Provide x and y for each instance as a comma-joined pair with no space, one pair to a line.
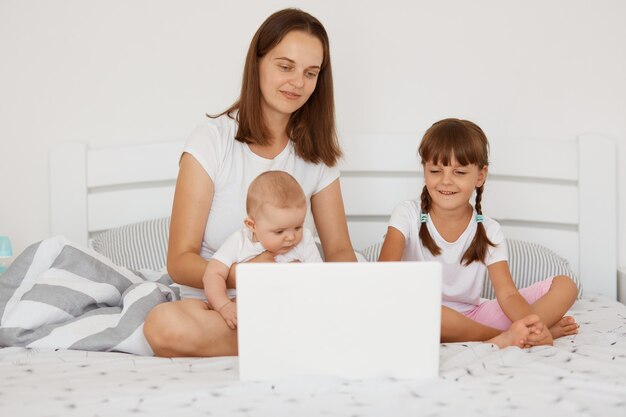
461,285
239,247
232,166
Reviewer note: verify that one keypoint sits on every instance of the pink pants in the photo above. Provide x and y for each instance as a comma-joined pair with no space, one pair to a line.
490,313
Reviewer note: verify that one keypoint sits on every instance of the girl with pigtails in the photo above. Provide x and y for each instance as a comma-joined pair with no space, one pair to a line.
443,226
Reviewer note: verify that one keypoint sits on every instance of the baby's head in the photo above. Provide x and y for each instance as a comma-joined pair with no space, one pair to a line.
276,207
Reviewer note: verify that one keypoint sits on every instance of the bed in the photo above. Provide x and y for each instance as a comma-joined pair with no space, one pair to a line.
553,194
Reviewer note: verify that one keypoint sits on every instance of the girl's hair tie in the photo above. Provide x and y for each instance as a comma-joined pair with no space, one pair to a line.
424,218
479,218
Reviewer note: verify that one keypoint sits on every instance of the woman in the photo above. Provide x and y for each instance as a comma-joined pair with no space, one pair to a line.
283,120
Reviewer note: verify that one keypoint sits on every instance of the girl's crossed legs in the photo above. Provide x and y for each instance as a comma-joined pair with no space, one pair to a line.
549,299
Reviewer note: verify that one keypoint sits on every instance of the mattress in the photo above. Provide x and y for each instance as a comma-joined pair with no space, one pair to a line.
582,375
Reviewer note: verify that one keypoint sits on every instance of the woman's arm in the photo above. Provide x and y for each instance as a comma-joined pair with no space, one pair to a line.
393,246
512,303
231,281
192,203
330,221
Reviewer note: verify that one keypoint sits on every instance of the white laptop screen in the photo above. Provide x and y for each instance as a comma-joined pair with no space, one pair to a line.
353,320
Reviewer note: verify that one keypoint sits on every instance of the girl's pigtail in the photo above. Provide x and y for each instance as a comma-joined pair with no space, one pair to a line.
425,237
478,248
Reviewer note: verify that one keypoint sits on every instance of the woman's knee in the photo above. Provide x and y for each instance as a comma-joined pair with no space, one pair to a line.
188,328
161,328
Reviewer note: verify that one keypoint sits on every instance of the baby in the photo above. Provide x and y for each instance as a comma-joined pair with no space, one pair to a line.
276,208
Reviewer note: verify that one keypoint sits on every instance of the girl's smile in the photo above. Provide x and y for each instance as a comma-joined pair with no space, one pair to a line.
451,186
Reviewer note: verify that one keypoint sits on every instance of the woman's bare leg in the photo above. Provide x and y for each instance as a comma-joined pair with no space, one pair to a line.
188,328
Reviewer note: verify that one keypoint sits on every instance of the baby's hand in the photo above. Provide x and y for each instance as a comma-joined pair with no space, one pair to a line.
229,314
539,335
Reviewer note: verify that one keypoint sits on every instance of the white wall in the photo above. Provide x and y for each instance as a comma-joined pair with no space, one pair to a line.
120,71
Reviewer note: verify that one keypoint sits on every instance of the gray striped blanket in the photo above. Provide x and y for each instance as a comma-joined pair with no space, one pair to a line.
61,296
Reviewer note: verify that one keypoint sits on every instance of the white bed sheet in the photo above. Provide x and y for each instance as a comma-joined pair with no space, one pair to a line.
583,375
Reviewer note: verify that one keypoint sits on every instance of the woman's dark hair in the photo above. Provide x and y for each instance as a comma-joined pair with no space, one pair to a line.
467,143
311,127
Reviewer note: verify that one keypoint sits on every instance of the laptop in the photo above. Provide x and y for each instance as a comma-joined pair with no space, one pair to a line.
352,320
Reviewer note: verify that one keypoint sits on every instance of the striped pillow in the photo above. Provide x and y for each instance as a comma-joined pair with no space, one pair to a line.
136,246
371,253
528,262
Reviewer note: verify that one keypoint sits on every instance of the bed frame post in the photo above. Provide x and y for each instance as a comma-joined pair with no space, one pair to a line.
597,225
68,192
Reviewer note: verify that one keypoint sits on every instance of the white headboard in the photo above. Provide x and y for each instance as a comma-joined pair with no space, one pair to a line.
561,194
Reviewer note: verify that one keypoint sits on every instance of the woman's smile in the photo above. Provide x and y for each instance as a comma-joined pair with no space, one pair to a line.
290,95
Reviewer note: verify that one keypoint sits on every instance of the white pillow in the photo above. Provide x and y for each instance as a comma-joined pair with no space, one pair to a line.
136,246
528,262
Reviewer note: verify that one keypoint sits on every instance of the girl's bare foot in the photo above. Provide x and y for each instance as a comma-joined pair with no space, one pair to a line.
517,334
567,326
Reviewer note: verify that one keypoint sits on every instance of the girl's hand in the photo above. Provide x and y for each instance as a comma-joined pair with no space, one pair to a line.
539,335
393,246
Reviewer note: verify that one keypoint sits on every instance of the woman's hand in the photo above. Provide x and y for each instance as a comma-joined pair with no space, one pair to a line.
231,281
266,256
